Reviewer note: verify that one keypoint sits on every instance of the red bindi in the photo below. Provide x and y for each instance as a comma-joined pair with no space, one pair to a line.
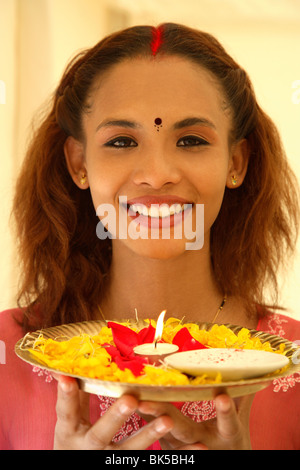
157,123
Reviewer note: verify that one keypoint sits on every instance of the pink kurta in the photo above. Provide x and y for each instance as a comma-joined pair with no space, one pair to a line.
28,398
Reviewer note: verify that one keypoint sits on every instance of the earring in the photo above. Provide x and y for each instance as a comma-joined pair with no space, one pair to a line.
234,180
83,179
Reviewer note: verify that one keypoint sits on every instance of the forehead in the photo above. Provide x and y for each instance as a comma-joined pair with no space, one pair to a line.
168,87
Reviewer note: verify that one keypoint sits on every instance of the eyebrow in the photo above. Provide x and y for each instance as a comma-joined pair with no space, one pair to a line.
192,121
118,123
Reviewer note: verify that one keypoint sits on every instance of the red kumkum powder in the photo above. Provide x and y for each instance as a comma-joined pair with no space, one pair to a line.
157,39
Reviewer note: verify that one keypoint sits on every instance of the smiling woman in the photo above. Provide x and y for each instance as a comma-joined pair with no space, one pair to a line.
154,152
214,134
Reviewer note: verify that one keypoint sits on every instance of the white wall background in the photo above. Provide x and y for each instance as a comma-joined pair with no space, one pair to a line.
38,37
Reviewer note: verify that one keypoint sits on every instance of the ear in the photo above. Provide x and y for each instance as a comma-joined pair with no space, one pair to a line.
238,164
74,154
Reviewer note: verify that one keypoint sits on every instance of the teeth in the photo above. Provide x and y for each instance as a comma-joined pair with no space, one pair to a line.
144,211
164,211
158,211
176,208
153,211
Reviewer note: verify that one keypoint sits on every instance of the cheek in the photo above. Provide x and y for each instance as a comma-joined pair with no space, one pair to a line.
209,183
99,191
210,187
212,206
103,181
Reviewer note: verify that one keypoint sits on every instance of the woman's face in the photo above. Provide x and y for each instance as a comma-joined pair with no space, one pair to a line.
157,133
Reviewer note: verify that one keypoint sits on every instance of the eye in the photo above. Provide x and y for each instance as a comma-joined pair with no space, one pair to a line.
191,141
121,142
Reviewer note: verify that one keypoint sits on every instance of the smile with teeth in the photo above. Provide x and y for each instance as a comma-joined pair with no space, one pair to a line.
157,211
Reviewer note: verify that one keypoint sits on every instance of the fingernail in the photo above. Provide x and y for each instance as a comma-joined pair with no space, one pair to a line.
66,386
224,405
161,427
124,409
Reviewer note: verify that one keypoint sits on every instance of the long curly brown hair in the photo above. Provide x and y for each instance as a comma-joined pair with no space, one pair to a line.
63,261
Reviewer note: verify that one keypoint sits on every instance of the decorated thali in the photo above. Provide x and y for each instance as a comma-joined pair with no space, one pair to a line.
30,349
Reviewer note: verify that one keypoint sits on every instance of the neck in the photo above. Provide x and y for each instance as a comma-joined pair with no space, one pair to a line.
184,286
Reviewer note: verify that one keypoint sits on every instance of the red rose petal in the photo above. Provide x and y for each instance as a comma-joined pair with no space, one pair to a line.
184,340
146,335
125,338
135,365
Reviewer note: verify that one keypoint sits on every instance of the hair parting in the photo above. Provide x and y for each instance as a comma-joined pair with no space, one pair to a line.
157,39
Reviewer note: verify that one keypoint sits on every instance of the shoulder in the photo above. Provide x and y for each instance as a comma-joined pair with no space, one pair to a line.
26,393
274,420
10,325
280,325
11,332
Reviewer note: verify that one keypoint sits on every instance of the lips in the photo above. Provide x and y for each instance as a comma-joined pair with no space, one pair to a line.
149,200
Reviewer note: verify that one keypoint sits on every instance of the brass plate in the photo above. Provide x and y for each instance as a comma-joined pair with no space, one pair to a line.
159,392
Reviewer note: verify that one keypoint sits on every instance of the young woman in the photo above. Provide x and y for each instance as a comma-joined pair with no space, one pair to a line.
150,117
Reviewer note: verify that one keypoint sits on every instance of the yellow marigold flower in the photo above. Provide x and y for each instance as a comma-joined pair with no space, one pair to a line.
204,379
104,336
160,376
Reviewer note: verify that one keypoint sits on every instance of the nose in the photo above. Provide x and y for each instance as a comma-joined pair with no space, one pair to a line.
156,168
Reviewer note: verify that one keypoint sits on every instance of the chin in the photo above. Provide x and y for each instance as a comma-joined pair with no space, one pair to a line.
159,249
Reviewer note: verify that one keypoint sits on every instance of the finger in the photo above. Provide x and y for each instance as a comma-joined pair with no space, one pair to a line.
68,405
185,430
84,399
228,424
100,435
148,434
156,409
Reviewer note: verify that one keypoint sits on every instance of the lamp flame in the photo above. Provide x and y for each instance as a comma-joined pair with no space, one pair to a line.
159,327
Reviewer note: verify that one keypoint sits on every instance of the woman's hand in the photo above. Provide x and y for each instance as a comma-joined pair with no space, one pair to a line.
74,431
228,431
